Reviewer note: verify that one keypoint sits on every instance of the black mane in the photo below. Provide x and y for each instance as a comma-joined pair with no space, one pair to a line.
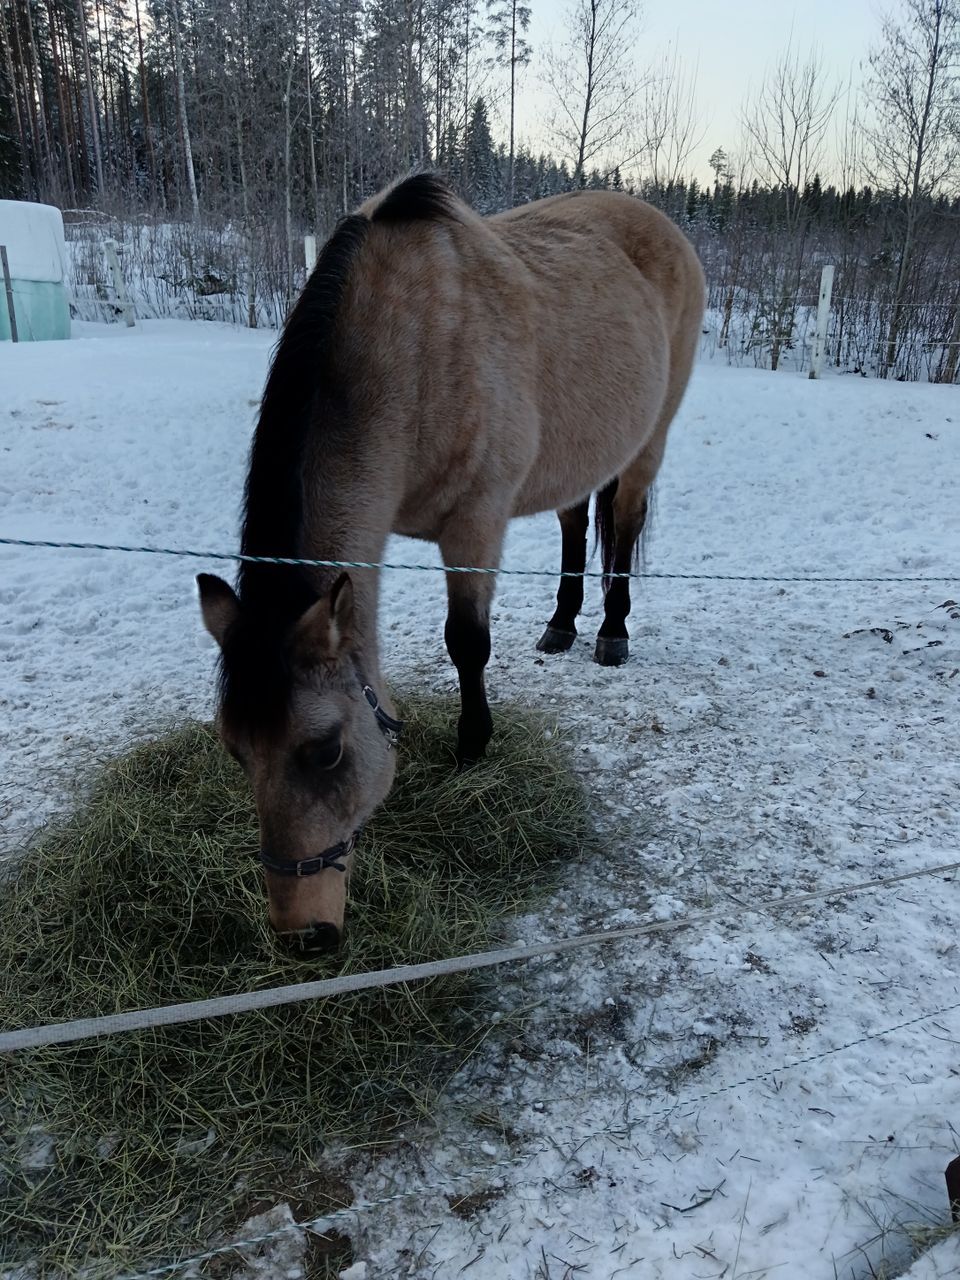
423,197
302,368
254,672
304,394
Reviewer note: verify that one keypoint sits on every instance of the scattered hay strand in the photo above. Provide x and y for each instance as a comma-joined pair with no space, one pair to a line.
143,1146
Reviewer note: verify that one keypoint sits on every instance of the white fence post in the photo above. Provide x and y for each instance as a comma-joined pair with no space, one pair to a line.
310,252
123,298
823,320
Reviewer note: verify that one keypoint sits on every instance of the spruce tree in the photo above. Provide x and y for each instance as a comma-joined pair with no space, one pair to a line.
450,158
693,200
483,186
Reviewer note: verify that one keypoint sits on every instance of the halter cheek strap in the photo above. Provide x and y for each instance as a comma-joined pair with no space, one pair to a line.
390,728
332,858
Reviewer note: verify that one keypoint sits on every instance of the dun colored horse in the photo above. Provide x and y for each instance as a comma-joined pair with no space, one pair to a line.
440,373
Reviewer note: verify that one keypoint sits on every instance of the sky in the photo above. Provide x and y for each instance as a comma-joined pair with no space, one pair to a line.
731,42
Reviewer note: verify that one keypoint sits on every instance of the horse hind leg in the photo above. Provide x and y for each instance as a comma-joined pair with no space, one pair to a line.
562,629
621,515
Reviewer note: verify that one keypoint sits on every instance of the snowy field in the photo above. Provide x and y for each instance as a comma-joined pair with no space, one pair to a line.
635,1112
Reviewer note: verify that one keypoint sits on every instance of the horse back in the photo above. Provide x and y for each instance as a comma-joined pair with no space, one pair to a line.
597,222
530,355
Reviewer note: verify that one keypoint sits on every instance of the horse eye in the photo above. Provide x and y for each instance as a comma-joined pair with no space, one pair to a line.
324,753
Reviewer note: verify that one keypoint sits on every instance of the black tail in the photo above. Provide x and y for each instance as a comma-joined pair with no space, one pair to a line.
606,533
604,524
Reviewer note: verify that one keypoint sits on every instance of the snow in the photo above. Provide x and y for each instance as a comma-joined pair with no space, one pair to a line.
356,1272
698,1100
33,234
942,1262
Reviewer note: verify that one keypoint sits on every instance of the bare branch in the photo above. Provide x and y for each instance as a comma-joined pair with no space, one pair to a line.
786,121
595,84
672,122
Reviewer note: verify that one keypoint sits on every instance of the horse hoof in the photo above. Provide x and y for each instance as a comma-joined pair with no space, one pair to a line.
554,640
611,651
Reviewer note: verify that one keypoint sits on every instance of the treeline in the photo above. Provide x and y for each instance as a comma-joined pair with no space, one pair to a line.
763,249
237,107
211,134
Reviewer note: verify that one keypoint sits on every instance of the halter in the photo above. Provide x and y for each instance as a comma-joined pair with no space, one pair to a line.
391,730
310,866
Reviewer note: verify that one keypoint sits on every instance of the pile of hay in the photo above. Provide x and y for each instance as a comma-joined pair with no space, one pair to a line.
138,1148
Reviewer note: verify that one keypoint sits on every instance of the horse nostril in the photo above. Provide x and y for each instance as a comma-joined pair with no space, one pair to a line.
316,939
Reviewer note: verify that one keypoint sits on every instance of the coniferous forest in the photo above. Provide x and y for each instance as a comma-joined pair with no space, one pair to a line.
208,136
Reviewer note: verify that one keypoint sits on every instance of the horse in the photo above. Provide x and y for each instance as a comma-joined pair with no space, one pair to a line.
440,373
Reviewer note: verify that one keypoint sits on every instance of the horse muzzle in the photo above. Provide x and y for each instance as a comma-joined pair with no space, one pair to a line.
307,899
314,940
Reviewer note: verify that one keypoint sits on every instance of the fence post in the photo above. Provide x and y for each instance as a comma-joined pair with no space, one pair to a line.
823,319
123,298
310,252
8,286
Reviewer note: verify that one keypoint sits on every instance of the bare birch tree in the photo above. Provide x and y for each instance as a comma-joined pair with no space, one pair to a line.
176,36
786,122
596,85
672,125
915,141
311,135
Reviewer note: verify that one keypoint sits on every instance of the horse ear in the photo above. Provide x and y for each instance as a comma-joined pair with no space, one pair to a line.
326,628
341,606
218,604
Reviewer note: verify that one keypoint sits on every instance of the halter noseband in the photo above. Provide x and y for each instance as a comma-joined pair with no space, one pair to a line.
391,730
310,866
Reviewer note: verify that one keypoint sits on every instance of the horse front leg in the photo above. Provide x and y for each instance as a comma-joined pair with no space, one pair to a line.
467,634
562,628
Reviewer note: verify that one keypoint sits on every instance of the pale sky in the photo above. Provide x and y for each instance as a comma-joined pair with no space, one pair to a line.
733,41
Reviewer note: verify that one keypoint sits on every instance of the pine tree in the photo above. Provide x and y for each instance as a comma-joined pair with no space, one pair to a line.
10,159
509,20
718,163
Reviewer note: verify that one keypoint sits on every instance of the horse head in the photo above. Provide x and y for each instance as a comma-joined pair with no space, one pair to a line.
316,745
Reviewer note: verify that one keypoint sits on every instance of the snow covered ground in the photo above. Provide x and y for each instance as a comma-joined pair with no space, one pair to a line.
942,1262
635,1112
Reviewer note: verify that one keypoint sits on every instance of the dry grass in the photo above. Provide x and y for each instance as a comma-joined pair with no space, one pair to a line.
137,1148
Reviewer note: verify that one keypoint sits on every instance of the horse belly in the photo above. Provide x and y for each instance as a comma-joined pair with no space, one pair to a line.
597,418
